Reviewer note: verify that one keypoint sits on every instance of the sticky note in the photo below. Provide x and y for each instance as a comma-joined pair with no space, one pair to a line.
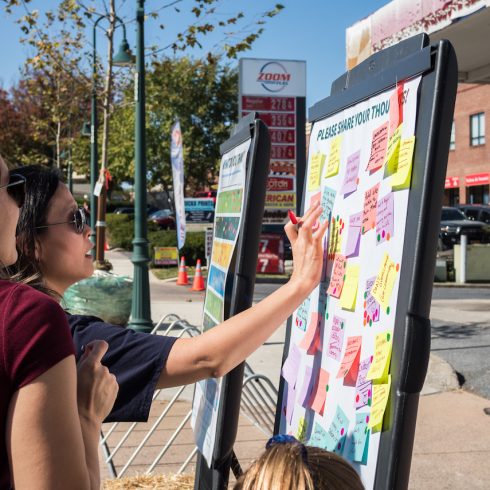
378,148
336,339
349,291
353,235
314,198
338,275
363,394
302,428
349,185
335,235
370,207
306,388
334,157
337,432
371,306
319,393
315,171
327,202
302,314
402,178
385,220
392,152
396,109
318,437
382,354
359,447
349,366
385,280
381,393
290,403
311,340
291,365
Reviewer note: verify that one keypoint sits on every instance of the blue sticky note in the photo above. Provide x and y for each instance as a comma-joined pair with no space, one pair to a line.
327,202
359,447
337,432
303,313
318,437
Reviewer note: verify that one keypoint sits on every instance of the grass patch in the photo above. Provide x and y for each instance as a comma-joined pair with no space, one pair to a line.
155,482
170,272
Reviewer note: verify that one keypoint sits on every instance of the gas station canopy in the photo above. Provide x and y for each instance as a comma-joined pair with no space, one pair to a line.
466,23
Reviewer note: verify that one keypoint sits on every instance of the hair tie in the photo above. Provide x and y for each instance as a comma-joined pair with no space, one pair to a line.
287,439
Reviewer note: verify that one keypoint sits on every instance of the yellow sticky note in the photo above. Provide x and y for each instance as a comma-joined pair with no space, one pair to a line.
381,393
385,280
382,355
401,179
392,151
349,291
315,171
334,157
301,433
335,237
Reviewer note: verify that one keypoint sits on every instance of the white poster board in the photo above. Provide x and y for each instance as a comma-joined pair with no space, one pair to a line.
337,380
227,220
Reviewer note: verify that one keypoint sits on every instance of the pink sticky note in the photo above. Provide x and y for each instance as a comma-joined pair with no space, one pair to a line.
310,341
315,198
378,148
349,366
319,393
338,275
336,338
351,174
370,207
385,224
396,109
354,235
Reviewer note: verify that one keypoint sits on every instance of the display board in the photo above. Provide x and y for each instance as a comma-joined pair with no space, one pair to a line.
239,207
376,163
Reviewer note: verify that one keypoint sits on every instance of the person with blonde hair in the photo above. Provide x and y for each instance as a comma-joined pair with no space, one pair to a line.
287,464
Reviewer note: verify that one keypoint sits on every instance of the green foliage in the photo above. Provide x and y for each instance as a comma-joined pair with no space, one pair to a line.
120,231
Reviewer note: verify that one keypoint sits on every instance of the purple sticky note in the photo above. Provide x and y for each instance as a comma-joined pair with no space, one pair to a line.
363,386
336,338
354,235
372,308
290,404
305,393
291,366
351,174
385,225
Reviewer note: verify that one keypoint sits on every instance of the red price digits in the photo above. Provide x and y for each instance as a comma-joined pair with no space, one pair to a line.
282,104
280,152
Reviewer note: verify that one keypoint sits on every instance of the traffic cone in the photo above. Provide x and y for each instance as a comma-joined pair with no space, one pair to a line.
198,283
106,246
182,279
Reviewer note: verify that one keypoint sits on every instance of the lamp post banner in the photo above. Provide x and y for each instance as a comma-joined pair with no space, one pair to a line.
177,159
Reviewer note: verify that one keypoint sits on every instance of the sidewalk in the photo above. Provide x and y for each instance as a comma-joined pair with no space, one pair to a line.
452,443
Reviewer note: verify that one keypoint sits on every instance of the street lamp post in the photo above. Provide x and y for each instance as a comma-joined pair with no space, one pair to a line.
122,58
140,310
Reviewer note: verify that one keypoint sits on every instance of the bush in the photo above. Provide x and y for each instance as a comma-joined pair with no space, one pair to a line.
120,229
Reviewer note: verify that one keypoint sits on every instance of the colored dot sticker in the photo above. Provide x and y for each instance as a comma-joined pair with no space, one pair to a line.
367,419
388,310
357,398
388,236
363,230
342,325
370,323
342,431
365,322
327,388
388,337
338,217
365,295
365,312
369,401
379,238
397,267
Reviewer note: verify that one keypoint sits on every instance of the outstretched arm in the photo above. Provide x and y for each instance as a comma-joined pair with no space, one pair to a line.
220,349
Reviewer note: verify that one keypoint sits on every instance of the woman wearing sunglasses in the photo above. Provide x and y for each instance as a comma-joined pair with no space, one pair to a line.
54,252
43,410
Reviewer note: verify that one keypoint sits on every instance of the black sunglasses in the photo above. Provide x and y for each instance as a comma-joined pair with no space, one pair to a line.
16,188
79,221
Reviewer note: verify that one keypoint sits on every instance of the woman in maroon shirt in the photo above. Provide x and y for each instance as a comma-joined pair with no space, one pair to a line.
49,426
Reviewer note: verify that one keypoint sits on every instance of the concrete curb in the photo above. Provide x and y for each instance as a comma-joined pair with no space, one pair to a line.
440,377
482,285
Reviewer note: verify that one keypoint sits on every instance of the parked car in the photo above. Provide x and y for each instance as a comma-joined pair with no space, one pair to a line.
476,212
130,210
164,218
454,224
211,194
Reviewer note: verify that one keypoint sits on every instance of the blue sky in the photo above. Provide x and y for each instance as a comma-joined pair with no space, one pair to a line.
310,30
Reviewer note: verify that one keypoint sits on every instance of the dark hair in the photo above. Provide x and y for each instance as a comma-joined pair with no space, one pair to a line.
42,183
297,467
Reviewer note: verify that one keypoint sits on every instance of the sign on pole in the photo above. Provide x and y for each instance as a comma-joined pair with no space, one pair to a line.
177,159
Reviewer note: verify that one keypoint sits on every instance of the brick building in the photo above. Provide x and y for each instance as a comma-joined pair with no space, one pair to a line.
469,156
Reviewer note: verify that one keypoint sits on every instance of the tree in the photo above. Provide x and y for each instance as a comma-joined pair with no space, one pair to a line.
203,95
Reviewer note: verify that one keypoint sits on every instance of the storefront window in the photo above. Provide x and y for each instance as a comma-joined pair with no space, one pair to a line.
477,194
477,129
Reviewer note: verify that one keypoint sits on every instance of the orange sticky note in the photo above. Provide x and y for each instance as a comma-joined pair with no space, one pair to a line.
349,291
378,148
334,157
381,393
369,210
384,282
338,275
403,176
315,171
319,394
396,108
382,354
349,367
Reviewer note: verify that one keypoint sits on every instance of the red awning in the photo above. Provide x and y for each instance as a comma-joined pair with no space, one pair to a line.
451,183
477,179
